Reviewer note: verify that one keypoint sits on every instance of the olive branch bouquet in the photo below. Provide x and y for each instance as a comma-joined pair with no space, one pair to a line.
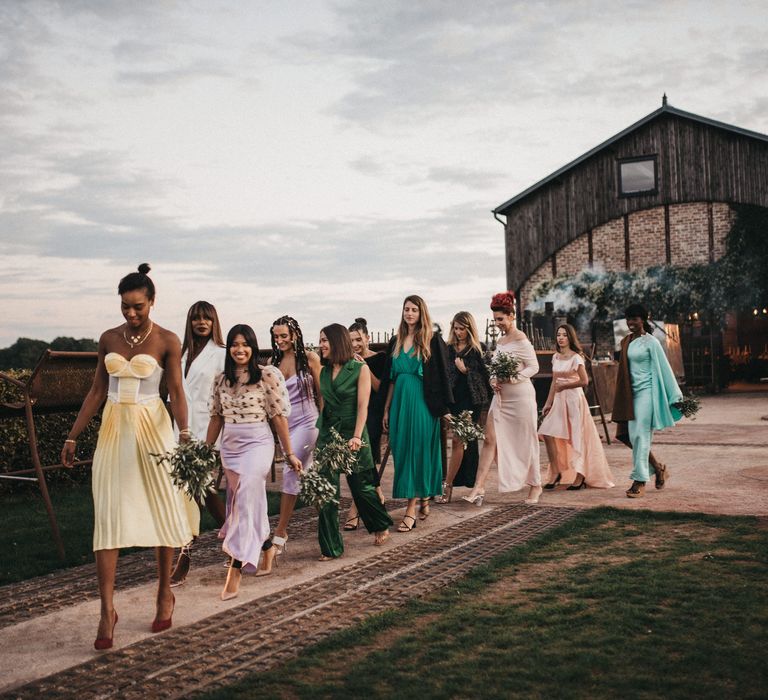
334,458
504,367
193,465
465,429
689,406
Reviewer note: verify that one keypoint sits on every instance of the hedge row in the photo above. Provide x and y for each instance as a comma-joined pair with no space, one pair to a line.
51,432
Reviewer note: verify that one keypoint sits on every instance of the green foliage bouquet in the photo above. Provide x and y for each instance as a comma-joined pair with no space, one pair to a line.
193,465
316,489
689,406
465,429
504,367
334,458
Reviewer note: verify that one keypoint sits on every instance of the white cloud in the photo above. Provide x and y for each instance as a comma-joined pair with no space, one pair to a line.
322,159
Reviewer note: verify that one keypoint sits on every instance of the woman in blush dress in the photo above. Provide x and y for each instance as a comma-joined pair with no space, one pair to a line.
135,502
202,359
345,384
646,394
245,399
471,392
418,396
377,363
573,445
510,432
301,369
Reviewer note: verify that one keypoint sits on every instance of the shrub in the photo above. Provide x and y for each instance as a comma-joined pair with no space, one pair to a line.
51,432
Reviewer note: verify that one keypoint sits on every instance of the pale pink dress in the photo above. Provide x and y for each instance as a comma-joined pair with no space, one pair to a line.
513,412
569,421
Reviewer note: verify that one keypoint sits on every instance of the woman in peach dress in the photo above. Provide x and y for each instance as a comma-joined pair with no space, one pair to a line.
573,445
510,431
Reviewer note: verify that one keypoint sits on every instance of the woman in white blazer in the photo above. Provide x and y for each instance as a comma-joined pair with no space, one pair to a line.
202,359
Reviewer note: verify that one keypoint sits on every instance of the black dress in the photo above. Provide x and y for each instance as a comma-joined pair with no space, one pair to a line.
377,363
471,392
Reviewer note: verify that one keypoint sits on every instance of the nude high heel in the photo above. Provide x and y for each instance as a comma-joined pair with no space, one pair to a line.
232,585
534,494
477,499
268,558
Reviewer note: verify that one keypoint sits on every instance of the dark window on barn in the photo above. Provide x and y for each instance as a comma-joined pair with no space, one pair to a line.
638,176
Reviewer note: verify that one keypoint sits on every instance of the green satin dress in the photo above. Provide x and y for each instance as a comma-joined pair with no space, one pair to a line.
414,433
340,412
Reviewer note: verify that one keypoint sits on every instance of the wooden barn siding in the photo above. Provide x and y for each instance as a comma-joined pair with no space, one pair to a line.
696,162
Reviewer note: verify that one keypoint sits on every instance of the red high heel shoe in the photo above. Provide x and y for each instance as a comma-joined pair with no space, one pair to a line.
162,625
103,643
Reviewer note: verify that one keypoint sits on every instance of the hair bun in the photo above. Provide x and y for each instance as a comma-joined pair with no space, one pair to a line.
503,300
144,268
361,321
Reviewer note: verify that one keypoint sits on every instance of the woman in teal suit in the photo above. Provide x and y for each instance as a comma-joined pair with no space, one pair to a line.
646,397
345,385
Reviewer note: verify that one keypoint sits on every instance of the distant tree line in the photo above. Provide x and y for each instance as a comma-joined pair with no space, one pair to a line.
25,352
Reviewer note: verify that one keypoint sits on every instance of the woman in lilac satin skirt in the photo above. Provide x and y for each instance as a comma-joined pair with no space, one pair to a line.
245,399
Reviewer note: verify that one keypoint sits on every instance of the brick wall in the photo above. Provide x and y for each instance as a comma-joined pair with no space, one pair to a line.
647,246
570,259
608,245
689,233
542,273
722,216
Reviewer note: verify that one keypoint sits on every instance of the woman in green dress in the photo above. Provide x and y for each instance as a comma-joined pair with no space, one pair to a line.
419,394
345,385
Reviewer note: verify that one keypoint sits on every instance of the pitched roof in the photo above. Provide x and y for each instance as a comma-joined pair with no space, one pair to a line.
664,109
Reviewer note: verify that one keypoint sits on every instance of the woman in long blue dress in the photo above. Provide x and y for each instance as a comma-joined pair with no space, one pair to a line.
646,394
418,395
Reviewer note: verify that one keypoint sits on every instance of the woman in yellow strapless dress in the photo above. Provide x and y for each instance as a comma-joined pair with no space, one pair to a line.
135,501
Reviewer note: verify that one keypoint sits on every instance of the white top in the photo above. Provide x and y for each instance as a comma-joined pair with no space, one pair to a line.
197,385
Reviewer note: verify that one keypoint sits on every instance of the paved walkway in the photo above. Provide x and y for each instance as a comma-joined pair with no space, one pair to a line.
718,464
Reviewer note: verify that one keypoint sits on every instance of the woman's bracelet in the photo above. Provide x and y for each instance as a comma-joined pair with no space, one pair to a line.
185,431
355,437
289,454
74,442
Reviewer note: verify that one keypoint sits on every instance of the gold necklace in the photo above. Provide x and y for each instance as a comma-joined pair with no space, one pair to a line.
137,339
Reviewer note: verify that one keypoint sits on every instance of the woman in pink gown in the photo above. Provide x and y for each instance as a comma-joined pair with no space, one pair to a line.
510,432
573,445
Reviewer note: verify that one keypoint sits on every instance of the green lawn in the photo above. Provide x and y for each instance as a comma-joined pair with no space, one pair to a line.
615,604
26,544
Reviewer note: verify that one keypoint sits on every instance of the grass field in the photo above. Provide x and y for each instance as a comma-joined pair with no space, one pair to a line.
26,544
615,604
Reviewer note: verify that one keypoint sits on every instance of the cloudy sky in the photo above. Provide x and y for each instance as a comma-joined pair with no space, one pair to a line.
316,158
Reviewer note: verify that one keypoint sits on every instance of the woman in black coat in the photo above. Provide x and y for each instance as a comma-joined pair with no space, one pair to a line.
471,388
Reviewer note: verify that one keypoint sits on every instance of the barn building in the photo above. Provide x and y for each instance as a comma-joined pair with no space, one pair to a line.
660,191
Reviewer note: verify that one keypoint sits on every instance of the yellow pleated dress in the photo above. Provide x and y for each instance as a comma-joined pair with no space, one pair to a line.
135,501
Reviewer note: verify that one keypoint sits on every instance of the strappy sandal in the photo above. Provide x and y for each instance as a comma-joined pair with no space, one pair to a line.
403,526
381,537
349,526
661,476
424,509
280,543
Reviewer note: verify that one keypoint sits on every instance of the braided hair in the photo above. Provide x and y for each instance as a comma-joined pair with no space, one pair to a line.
302,361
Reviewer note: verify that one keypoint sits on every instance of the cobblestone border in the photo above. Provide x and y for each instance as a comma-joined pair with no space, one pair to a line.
263,633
